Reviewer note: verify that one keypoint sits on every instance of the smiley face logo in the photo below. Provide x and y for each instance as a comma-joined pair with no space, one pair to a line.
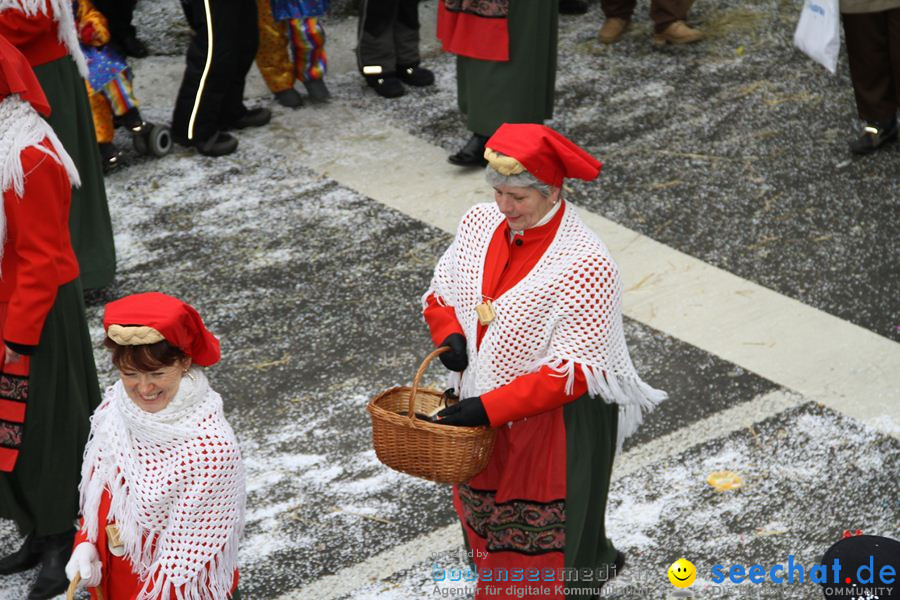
682,573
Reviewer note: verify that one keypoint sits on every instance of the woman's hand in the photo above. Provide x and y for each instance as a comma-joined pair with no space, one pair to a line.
468,413
86,562
456,359
11,356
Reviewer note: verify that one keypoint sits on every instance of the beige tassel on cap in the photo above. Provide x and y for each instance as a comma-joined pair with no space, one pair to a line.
134,335
505,165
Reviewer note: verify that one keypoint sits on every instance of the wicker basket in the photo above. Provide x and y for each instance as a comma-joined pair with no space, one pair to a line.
441,453
73,585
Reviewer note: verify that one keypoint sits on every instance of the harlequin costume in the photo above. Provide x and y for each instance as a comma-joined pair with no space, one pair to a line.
506,61
163,494
44,31
109,83
293,23
47,395
552,372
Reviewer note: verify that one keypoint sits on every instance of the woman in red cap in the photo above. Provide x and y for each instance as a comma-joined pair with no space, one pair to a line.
48,382
529,301
162,486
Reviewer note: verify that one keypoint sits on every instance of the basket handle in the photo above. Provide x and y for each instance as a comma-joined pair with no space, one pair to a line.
73,585
415,386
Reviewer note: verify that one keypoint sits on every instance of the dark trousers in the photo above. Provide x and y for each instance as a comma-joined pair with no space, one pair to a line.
662,12
119,14
221,96
388,34
873,50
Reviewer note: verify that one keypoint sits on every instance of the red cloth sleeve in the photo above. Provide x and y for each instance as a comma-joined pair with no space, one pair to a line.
531,395
441,320
36,248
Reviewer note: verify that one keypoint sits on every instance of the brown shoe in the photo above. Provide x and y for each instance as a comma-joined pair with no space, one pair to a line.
678,32
613,29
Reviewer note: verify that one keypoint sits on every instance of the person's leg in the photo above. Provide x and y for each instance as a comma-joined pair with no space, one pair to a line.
376,50
272,56
196,107
618,17
669,18
406,44
102,116
241,46
308,45
618,9
871,53
119,14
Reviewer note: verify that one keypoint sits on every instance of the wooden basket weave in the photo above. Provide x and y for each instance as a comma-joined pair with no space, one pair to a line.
73,585
441,453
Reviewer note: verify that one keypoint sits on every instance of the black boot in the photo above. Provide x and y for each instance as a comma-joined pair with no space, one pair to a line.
110,157
874,136
415,75
472,154
26,557
55,552
386,85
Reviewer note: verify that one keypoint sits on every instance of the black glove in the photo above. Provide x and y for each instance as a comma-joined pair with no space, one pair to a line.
468,413
456,359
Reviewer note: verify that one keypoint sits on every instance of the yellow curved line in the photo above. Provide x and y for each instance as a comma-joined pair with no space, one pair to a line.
209,51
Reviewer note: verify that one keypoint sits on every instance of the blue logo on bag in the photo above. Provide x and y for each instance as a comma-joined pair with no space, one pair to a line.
816,8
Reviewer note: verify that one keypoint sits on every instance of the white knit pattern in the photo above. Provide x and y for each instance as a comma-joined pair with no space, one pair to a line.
177,485
62,13
567,311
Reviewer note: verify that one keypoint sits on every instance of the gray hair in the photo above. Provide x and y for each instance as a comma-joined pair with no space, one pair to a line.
523,179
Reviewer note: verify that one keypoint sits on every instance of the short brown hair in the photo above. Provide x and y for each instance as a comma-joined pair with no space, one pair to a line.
144,357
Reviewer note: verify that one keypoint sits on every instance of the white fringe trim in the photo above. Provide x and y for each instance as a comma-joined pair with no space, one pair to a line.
62,13
633,396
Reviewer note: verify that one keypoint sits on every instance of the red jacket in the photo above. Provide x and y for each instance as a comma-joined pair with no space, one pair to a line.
37,252
36,37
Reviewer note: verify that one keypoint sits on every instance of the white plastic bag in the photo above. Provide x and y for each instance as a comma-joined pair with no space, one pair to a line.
818,32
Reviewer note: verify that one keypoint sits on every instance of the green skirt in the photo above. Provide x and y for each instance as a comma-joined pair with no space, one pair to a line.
89,222
521,90
41,493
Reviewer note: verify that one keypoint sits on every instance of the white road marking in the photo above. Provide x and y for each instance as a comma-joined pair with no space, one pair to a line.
449,538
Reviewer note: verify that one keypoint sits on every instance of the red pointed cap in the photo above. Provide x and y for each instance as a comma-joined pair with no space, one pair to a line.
17,77
176,321
547,154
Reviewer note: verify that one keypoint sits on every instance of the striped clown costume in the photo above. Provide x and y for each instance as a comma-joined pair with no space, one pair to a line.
109,81
293,23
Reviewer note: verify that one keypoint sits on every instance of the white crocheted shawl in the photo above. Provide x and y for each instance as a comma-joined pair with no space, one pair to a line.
567,311
20,127
64,17
177,486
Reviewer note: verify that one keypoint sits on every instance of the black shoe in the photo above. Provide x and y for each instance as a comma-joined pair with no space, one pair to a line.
415,75
132,120
386,85
317,90
255,117
133,47
573,7
26,557
109,157
874,136
55,552
290,98
219,144
472,154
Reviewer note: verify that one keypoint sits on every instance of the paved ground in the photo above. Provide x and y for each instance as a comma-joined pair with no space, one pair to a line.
308,249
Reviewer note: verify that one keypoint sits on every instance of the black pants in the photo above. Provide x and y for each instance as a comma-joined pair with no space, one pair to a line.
119,14
873,51
235,38
388,34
